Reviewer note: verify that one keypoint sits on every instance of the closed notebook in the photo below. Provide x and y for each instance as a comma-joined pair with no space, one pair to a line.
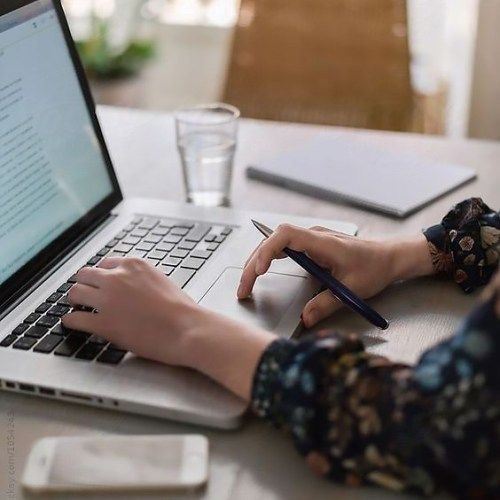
340,168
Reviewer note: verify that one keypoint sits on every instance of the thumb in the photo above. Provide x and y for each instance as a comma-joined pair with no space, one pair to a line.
320,307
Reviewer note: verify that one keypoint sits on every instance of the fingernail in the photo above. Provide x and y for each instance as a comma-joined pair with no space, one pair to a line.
240,290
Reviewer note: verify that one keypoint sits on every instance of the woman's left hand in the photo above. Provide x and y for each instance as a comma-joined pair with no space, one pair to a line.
141,310
138,309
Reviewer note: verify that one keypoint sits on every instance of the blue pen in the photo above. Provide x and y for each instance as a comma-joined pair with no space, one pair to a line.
341,292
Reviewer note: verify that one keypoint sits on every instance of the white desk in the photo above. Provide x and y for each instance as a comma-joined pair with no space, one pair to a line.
257,461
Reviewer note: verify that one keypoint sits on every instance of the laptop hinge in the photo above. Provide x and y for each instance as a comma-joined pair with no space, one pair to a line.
58,261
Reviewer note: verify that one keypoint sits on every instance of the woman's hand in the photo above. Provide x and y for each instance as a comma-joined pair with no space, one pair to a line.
135,305
141,310
366,267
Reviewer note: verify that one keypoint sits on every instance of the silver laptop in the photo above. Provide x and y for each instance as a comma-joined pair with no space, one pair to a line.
61,208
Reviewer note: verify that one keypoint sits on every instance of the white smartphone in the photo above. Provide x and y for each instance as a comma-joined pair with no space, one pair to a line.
110,463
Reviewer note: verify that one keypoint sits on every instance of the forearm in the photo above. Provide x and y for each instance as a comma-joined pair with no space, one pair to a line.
360,418
225,350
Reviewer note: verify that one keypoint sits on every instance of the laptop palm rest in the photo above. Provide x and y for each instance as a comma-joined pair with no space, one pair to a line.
273,296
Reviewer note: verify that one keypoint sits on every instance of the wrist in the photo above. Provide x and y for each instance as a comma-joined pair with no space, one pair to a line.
225,350
410,258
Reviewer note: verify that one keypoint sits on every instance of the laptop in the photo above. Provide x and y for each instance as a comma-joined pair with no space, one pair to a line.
61,208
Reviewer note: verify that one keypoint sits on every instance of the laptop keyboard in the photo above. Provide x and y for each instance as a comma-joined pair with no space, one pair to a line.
178,248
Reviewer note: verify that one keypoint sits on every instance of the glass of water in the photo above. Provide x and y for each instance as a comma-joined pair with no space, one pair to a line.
206,139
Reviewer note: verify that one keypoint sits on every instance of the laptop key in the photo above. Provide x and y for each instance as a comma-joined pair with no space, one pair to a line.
7,341
148,223
95,339
59,310
43,308
54,298
20,329
182,276
36,331
160,231
186,245
212,247
219,239
152,238
157,255
192,263
25,343
32,318
48,344
165,247
198,232
48,321
123,248
179,231
59,330
111,356
70,344
188,225
72,279
93,261
131,240
102,252
64,287
227,231
137,253
89,351
113,243
201,254
139,233
166,270
64,301
172,238
179,253
145,247
171,261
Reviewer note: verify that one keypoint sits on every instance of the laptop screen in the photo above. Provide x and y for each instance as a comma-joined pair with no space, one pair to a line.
53,170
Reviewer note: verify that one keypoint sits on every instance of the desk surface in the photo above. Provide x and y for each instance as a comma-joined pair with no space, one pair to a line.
256,461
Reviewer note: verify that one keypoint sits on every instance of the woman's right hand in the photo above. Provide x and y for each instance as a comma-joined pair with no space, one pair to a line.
366,267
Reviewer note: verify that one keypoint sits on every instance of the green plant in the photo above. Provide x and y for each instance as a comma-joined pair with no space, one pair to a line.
101,61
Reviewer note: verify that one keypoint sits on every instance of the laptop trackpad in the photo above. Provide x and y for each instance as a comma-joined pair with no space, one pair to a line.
273,295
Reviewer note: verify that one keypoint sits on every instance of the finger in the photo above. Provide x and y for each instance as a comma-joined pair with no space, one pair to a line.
111,262
91,276
292,237
320,307
82,321
253,253
84,295
248,283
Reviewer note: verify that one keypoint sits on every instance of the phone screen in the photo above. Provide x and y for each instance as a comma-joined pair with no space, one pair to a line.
116,462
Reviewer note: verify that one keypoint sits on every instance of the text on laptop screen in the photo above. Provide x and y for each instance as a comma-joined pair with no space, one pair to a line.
52,171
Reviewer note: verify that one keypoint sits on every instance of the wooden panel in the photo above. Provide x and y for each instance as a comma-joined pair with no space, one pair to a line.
339,62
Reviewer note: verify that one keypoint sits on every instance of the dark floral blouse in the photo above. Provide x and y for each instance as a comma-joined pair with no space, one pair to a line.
360,419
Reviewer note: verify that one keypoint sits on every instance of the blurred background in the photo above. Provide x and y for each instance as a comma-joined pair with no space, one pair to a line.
423,66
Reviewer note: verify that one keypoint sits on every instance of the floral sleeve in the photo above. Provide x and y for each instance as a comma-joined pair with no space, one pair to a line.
466,244
360,419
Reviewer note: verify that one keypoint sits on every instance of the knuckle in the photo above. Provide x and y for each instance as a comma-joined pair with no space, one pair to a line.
136,263
73,291
285,228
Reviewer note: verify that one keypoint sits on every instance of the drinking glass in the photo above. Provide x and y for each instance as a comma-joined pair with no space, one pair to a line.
206,140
